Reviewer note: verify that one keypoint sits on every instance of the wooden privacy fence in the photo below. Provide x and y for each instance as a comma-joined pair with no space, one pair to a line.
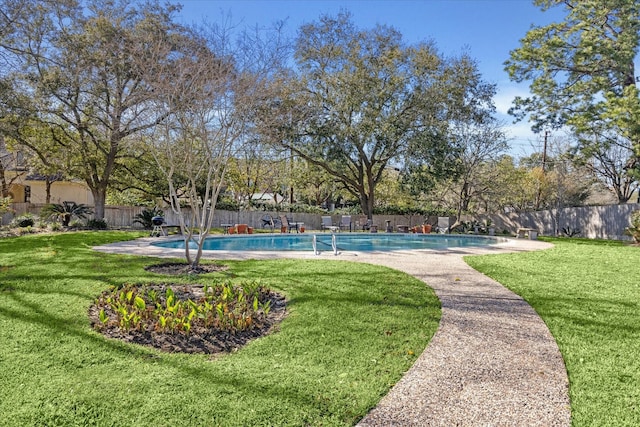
601,222
594,222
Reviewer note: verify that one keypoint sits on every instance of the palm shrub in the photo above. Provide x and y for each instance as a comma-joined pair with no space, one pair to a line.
65,211
145,217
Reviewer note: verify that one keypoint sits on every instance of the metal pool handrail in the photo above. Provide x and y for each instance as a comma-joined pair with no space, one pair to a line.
334,245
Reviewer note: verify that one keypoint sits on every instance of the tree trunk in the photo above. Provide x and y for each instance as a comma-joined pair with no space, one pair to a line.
4,187
99,200
366,203
48,183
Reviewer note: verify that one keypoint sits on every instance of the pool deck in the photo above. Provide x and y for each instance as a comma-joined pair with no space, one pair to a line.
492,361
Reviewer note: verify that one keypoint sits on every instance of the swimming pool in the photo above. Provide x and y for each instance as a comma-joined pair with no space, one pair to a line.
359,242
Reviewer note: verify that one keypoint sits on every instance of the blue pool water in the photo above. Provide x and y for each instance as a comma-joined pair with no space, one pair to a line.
362,242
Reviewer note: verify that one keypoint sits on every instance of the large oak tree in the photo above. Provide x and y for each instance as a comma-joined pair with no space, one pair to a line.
89,70
359,101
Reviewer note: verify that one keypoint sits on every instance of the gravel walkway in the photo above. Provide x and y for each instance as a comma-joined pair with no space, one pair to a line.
492,361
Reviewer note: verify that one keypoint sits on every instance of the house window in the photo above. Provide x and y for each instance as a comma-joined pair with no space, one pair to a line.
27,193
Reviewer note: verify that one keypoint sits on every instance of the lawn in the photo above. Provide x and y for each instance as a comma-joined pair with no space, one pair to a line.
351,332
588,293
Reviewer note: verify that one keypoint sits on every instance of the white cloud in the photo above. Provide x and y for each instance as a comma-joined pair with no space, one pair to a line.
521,138
506,94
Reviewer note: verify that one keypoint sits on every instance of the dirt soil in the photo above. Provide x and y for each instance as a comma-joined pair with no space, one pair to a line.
177,269
199,340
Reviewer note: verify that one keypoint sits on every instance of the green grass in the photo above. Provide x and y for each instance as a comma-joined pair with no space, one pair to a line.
352,331
588,293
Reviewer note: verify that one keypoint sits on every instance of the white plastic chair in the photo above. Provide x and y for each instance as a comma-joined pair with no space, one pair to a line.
443,224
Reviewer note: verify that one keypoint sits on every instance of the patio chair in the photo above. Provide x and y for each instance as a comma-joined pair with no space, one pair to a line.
443,224
366,224
345,222
269,221
288,224
327,223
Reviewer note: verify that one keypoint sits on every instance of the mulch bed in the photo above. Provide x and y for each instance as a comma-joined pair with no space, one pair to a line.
200,339
178,268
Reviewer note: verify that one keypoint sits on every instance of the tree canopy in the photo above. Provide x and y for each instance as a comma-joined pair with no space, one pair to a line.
583,76
360,100
88,71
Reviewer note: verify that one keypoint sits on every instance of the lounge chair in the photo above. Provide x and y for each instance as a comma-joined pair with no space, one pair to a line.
327,223
288,224
345,222
269,221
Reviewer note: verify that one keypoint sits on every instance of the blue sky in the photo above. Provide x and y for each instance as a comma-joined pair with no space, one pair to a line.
486,29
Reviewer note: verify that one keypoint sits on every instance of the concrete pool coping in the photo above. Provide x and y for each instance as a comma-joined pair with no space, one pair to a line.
492,361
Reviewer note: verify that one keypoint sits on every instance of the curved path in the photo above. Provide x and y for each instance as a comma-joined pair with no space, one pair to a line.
492,361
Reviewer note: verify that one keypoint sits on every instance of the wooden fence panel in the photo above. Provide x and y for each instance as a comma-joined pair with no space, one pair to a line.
594,222
600,222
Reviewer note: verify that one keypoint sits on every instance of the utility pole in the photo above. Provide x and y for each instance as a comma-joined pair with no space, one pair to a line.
544,151
544,167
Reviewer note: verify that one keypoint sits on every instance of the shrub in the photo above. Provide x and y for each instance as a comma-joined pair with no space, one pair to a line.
22,221
224,306
303,208
55,226
226,203
145,217
75,224
66,211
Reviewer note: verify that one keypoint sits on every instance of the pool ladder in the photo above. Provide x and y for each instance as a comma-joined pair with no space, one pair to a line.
334,245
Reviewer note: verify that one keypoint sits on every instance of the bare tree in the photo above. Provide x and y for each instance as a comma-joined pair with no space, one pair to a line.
480,144
611,161
208,95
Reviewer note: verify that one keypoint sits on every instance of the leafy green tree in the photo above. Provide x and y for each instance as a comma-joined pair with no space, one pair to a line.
313,185
5,206
583,75
255,170
359,100
509,187
91,69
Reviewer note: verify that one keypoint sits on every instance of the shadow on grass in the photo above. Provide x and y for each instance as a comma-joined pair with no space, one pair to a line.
587,310
33,288
266,386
